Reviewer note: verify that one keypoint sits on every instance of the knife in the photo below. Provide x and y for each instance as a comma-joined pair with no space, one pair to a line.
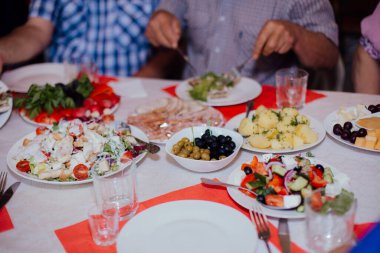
8,194
283,235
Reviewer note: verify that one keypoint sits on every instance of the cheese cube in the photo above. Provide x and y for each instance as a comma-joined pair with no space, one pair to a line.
377,133
371,138
371,133
360,142
370,144
377,146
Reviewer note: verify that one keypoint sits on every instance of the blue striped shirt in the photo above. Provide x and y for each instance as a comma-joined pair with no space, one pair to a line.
222,33
109,33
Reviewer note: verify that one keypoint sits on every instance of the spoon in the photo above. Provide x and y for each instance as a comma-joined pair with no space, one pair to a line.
290,201
152,148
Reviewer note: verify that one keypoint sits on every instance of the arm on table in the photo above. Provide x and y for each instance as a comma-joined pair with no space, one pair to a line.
313,49
26,41
365,72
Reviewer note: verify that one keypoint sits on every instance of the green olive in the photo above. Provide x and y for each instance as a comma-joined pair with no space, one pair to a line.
197,155
205,156
185,140
222,157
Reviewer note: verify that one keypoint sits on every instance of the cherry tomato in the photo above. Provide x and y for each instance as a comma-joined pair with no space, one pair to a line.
41,130
316,201
127,156
274,200
81,171
318,182
23,165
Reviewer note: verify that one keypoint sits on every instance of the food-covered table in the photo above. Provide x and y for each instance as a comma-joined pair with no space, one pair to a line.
37,210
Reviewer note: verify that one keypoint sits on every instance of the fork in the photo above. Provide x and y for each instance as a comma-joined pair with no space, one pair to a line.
235,72
3,181
261,222
186,58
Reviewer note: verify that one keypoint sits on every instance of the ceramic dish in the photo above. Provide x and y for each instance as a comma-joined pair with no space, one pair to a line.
4,116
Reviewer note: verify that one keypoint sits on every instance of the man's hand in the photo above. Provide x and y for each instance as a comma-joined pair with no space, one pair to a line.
277,36
163,29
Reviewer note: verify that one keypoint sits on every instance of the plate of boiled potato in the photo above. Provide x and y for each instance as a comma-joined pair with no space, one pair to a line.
277,130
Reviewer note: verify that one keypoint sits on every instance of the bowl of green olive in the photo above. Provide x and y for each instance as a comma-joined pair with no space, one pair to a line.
203,148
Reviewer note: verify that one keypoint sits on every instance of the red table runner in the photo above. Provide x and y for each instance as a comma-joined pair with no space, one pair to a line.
5,220
266,98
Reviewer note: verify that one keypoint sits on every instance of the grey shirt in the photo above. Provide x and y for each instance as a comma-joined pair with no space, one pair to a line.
222,33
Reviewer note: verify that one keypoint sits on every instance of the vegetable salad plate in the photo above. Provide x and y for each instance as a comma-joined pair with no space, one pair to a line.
6,103
188,226
73,152
285,176
166,116
245,89
20,79
314,125
348,114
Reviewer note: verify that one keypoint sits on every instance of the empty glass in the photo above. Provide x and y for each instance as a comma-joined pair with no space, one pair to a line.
329,226
104,224
119,189
291,85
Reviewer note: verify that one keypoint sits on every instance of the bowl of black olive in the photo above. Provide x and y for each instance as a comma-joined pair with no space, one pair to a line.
203,148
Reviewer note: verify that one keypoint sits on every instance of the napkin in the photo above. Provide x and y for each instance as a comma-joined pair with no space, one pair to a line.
5,220
77,238
131,88
266,98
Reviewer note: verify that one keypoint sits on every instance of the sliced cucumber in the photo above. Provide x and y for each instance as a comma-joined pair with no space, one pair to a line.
279,170
328,175
298,184
300,209
305,192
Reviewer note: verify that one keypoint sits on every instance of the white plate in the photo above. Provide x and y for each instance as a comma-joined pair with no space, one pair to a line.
188,226
21,79
32,122
314,124
16,148
245,90
329,123
245,201
5,116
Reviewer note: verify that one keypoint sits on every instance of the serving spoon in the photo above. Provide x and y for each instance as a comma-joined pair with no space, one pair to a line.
292,200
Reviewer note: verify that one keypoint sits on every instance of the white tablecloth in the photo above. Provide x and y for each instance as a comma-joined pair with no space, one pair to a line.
39,209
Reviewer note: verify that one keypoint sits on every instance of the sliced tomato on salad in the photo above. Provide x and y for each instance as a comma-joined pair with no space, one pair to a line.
127,156
81,171
318,182
274,200
41,130
23,165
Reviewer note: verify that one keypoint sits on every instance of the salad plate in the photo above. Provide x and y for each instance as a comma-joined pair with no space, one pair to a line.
234,122
188,226
237,175
335,117
8,103
20,79
246,89
42,152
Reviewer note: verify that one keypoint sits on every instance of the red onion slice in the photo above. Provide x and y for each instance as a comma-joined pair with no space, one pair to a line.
288,178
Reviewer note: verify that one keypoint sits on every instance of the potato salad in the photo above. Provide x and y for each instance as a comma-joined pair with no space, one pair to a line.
277,129
76,150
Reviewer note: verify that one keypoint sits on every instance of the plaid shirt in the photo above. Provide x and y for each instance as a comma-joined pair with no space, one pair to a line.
109,33
222,33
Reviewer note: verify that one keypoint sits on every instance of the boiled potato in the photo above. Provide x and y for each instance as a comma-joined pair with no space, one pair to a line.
297,141
275,144
306,133
259,141
287,120
267,120
289,111
246,127
286,140
282,127
260,109
302,119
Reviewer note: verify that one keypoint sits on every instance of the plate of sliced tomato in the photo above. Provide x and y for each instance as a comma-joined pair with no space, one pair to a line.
273,177
93,100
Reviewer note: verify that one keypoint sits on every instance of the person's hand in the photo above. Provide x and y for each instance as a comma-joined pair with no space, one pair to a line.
276,36
163,29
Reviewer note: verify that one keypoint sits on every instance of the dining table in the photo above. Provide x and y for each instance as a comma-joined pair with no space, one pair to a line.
37,210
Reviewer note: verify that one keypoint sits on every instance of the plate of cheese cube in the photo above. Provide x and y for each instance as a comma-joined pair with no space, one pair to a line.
355,126
281,131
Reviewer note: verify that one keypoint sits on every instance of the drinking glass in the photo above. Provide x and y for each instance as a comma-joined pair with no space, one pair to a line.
104,224
291,85
119,189
328,229
76,66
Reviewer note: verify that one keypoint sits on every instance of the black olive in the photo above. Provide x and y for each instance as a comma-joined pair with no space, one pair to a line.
372,108
228,138
204,136
221,139
345,135
338,129
378,107
260,198
347,125
232,145
320,167
247,170
207,132
362,132
213,145
353,137
298,168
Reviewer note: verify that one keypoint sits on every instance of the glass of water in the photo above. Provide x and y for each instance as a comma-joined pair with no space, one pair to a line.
104,224
330,220
291,85
119,189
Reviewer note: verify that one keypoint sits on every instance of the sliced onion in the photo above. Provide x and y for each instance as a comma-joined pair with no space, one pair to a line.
288,178
269,168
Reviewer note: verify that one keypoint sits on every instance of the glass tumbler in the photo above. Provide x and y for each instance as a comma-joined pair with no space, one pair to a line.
291,85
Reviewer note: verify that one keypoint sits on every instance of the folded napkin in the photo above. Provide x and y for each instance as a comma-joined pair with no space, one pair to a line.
5,220
266,98
77,238
131,88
